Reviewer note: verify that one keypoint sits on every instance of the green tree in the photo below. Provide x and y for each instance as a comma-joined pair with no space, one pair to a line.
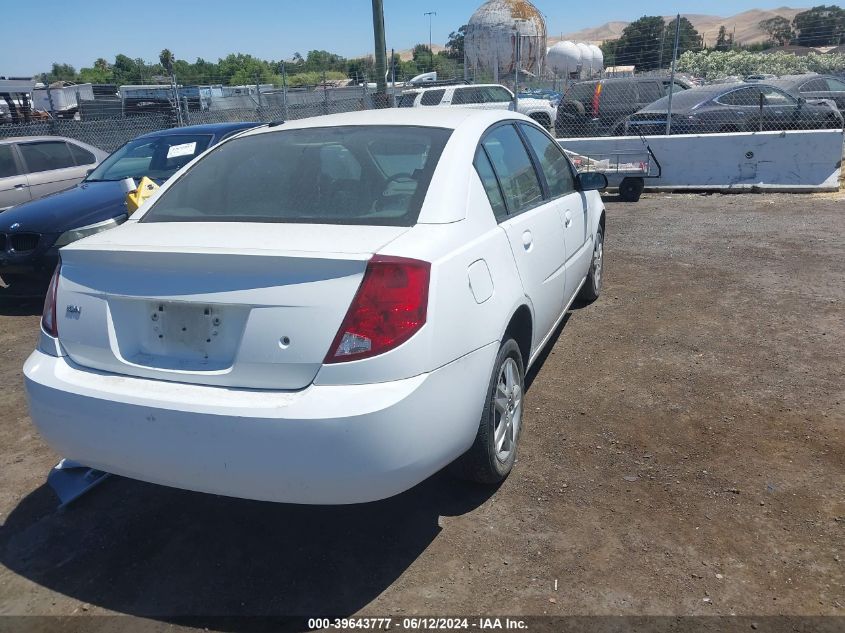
688,39
61,72
820,26
779,30
166,59
455,43
724,42
639,44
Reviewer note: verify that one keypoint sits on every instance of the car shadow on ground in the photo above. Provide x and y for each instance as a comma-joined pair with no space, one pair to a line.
168,554
12,306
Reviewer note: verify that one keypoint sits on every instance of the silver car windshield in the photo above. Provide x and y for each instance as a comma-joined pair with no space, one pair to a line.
372,174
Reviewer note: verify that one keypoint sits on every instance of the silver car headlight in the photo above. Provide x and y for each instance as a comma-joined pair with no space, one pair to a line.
84,231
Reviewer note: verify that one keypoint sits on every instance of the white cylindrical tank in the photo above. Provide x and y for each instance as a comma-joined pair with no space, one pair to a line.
491,37
586,58
598,59
564,58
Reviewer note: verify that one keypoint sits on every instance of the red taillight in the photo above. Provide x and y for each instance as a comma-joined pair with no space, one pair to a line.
596,97
388,309
48,318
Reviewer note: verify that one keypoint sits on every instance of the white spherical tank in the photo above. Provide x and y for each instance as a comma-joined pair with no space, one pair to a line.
491,37
564,58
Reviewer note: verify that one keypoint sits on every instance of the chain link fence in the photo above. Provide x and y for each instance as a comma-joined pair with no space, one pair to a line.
619,99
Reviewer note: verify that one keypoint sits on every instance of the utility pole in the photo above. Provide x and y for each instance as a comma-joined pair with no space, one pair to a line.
380,54
672,75
430,50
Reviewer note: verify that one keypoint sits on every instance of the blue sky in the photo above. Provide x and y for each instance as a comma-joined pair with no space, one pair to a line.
78,33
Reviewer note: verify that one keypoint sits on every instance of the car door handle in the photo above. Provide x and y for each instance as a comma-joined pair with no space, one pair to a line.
21,186
567,219
527,240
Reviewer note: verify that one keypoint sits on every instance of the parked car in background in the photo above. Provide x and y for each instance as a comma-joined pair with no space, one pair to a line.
813,87
599,107
32,233
733,108
325,311
33,166
481,96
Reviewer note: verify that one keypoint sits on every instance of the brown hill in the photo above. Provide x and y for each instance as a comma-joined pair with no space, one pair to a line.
744,24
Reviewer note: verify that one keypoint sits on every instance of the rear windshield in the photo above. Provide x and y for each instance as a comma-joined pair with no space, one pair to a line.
582,92
376,175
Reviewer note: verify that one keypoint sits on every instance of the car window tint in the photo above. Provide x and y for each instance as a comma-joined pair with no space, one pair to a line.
743,97
618,93
649,91
776,97
582,92
814,85
46,156
407,100
158,157
463,96
432,97
491,185
835,85
495,94
8,167
553,162
82,156
372,175
338,163
514,168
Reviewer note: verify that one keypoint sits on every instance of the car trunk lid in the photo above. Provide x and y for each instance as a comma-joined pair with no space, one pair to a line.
236,305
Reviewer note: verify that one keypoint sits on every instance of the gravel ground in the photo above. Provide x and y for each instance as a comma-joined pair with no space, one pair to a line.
683,454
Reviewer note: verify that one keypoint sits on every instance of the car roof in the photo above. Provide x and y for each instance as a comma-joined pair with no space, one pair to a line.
19,139
694,96
791,81
460,85
206,128
449,118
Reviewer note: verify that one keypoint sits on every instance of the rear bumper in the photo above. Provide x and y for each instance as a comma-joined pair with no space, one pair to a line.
321,445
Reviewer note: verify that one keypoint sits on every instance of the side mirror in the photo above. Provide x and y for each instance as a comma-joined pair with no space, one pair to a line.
591,181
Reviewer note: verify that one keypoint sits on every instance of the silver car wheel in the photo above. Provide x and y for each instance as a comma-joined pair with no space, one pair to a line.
507,410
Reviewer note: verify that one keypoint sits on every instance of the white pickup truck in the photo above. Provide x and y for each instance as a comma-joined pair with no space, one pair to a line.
484,96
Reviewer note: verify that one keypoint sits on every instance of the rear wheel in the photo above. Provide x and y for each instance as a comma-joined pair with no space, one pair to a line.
630,189
492,455
592,285
543,119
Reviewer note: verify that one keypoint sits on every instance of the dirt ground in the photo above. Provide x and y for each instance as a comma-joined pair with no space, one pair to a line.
683,454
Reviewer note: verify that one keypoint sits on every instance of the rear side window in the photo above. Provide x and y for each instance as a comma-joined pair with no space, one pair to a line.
834,85
407,100
622,92
512,165
650,91
582,92
496,94
491,185
743,97
82,156
46,156
371,175
814,85
432,97
553,162
463,96
8,167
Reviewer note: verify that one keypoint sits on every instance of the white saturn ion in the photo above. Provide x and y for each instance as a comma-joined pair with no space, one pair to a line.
322,311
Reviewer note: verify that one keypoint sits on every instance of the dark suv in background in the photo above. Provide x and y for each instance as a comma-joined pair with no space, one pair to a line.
600,107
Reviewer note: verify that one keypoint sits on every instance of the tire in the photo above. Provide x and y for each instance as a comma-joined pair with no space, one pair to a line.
630,189
489,461
544,120
592,285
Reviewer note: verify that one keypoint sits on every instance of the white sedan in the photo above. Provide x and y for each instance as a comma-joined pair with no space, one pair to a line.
323,311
